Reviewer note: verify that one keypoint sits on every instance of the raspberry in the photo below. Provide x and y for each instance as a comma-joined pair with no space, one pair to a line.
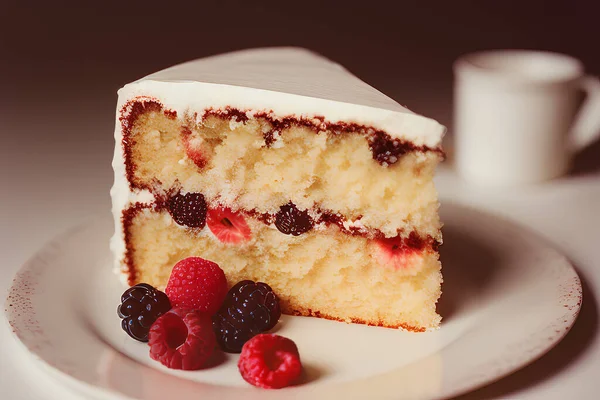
197,284
227,226
140,306
291,221
249,309
188,209
270,361
182,339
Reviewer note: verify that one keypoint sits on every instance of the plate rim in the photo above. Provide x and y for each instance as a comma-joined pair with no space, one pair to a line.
107,393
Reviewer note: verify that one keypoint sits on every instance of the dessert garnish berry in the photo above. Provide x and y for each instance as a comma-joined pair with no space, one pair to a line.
188,209
182,339
197,284
228,226
250,308
270,361
291,221
140,306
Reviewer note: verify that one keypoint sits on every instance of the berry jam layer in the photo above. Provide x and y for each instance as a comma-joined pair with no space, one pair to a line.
262,163
190,211
386,282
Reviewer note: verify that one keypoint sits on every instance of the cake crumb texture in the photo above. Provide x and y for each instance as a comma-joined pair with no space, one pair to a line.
376,264
231,164
327,274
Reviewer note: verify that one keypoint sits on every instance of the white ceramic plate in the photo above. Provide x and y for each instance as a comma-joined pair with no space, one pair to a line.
508,298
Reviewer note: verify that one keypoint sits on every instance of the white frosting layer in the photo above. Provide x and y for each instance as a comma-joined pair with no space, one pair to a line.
284,81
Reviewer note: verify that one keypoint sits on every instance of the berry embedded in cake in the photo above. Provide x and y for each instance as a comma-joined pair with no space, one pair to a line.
281,167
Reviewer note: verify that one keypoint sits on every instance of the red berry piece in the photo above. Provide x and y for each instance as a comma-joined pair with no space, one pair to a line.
291,221
195,147
270,361
250,308
140,306
182,339
188,209
227,226
396,252
197,284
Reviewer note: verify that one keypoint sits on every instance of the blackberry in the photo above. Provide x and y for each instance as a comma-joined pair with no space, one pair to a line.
291,221
387,151
249,309
140,306
188,209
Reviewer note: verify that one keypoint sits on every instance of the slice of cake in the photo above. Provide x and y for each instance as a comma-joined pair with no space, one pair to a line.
281,167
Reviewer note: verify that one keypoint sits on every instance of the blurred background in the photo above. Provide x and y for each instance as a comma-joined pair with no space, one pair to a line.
63,61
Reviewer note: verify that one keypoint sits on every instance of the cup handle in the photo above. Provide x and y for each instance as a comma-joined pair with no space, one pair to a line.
586,128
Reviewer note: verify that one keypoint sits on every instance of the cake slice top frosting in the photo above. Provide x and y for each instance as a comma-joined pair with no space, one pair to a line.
284,81
285,70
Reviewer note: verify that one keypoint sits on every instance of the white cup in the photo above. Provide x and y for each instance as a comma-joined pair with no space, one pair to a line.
516,115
